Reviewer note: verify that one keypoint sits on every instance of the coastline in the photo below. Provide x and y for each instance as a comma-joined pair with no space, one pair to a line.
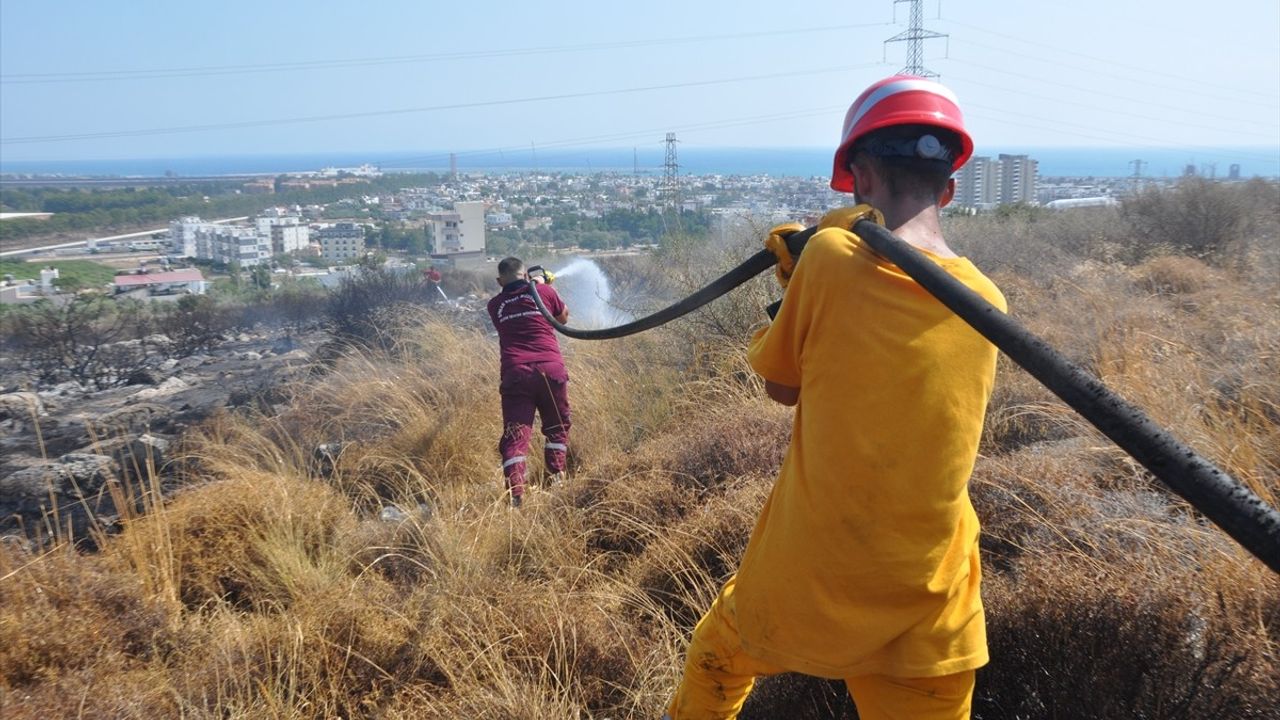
777,162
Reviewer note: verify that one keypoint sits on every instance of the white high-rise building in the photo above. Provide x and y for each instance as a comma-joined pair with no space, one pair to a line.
264,223
243,245
286,232
1017,179
289,238
342,241
185,236
471,226
203,240
984,182
458,236
977,183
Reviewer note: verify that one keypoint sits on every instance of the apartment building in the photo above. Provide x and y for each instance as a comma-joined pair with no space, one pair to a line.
978,183
986,182
457,237
188,235
342,241
227,244
1017,178
289,238
286,232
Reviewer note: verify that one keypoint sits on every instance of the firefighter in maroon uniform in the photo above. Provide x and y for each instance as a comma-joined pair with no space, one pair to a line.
533,375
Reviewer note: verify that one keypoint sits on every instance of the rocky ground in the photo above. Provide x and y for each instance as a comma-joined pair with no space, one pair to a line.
60,447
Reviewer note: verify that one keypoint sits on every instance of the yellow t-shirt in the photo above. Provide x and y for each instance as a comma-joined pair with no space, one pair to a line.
865,558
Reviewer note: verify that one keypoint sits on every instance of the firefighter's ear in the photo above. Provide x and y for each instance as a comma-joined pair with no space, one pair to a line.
948,193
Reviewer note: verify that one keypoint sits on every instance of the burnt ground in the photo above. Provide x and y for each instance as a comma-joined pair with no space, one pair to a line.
60,446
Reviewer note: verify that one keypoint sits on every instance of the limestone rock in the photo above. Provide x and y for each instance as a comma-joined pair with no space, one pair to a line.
133,419
74,483
71,388
168,387
135,456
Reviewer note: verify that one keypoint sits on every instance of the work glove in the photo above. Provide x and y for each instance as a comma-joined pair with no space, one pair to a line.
776,243
846,217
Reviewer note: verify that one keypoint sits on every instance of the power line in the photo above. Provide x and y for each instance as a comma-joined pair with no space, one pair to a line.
1115,96
1103,111
404,111
1146,82
1002,114
692,128
214,70
1111,62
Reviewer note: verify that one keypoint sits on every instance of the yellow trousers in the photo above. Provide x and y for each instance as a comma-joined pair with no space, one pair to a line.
718,676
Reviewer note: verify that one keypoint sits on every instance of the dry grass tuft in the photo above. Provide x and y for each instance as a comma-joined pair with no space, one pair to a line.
63,611
1082,499
77,634
1205,647
256,541
683,567
622,515
729,441
1176,275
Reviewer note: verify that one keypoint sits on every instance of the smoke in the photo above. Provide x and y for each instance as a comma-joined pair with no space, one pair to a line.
585,289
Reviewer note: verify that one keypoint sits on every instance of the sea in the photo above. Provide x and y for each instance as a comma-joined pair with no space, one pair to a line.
778,162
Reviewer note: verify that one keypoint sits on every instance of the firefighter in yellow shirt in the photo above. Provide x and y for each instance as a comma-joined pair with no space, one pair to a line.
863,565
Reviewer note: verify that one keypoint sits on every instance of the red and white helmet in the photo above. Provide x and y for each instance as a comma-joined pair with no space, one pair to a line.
899,100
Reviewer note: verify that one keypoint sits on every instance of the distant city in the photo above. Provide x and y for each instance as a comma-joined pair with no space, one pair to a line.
694,160
462,219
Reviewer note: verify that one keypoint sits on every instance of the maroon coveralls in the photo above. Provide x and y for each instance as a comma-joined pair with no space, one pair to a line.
533,379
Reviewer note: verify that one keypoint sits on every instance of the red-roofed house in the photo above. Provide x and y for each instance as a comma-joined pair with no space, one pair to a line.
171,282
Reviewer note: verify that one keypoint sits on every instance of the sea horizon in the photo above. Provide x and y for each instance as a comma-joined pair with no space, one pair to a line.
781,162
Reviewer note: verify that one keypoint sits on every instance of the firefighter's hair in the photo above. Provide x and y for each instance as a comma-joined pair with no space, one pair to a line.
914,176
510,266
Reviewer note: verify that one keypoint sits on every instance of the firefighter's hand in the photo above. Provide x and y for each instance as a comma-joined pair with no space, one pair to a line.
846,217
776,243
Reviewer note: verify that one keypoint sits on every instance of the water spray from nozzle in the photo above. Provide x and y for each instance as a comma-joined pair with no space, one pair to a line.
589,294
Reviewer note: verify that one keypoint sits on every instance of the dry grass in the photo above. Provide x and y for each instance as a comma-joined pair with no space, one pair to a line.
269,587
1205,649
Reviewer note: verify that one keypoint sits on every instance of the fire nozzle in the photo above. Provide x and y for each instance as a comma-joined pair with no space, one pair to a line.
537,271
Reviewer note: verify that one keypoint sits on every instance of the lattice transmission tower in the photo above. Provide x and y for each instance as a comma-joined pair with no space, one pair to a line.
914,36
671,173
1137,173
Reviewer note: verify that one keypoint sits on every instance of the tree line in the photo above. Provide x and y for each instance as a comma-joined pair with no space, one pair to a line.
99,341
107,209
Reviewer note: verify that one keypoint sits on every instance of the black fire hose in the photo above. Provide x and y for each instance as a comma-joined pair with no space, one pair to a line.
751,267
1221,498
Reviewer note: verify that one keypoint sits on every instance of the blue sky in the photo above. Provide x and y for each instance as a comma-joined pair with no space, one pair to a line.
515,74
